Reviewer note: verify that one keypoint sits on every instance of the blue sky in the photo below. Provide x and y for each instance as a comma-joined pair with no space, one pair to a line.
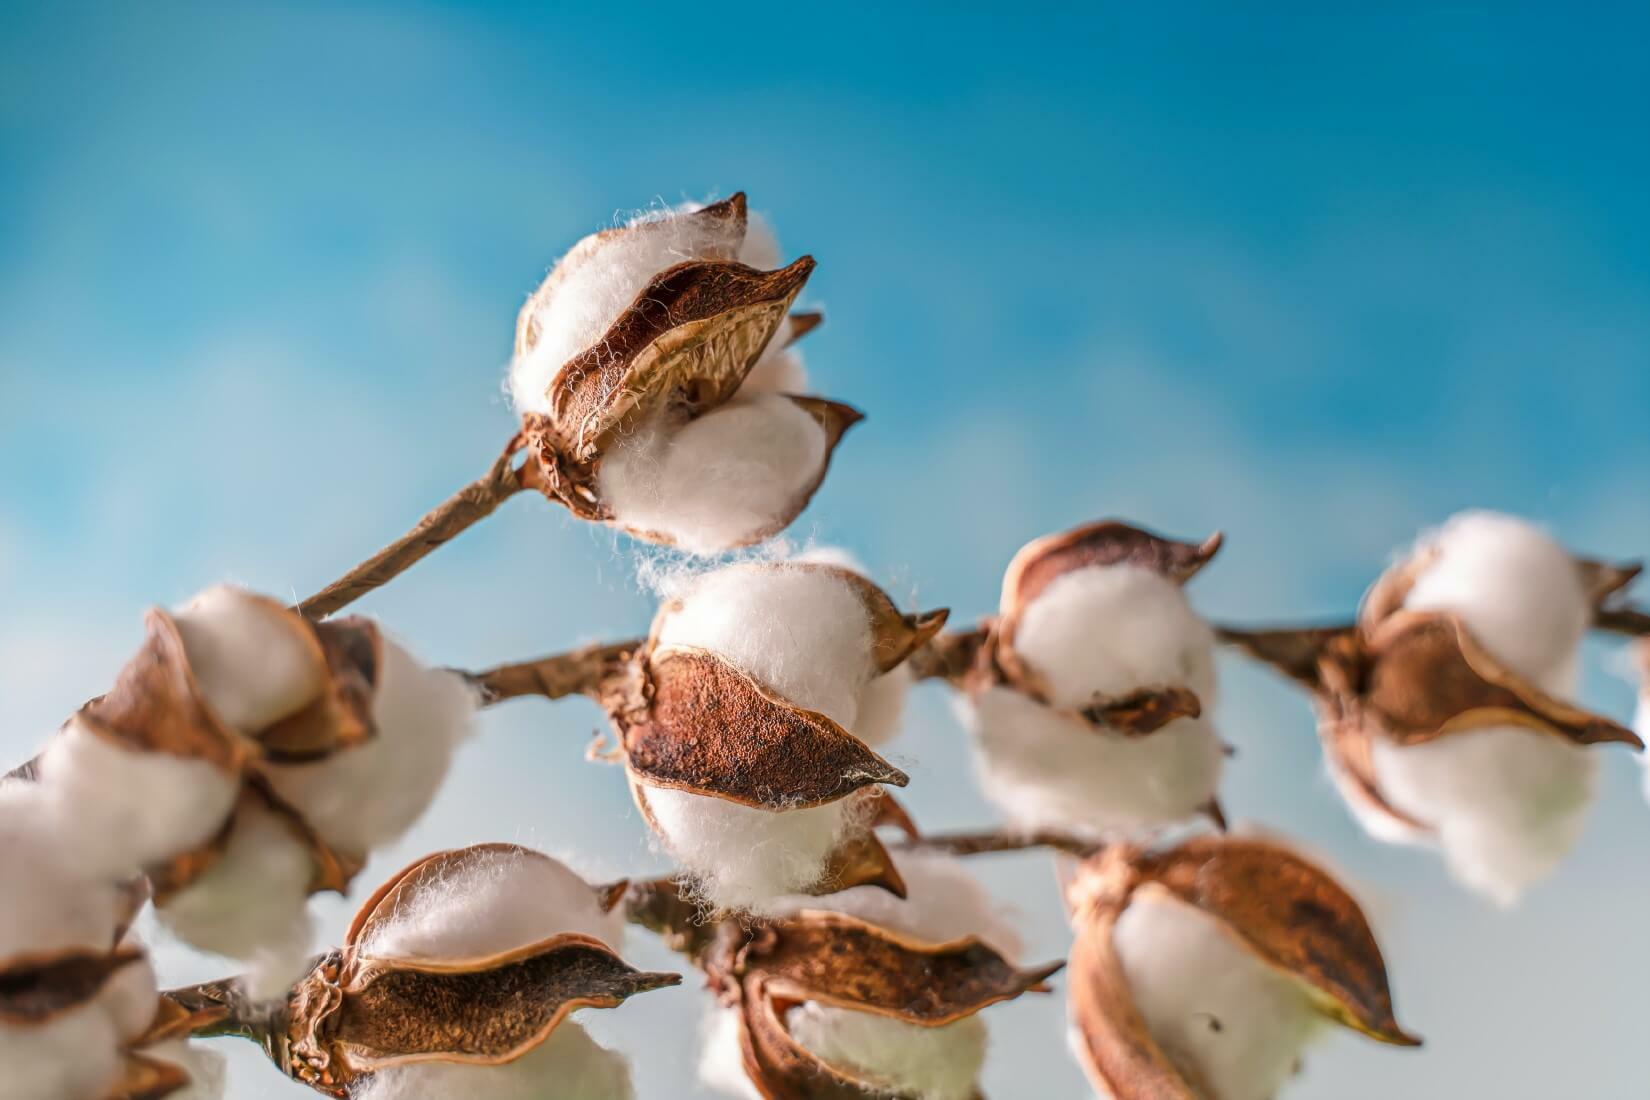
1314,275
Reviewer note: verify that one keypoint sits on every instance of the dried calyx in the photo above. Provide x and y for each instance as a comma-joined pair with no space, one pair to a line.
656,389
458,975
1442,708
246,758
739,722
1088,693
1201,971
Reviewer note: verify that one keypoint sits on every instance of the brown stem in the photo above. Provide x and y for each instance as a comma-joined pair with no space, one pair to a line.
971,844
452,516
949,656
222,1008
1631,621
659,906
580,672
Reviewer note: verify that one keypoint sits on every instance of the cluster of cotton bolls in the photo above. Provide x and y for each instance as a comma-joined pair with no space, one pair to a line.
802,631
123,809
1507,803
944,903
1098,633
55,907
729,477
494,901
1225,1017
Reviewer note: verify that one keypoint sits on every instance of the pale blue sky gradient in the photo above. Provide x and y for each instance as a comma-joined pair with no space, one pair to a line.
1316,275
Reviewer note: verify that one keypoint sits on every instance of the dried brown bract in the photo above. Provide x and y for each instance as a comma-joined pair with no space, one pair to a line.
1261,900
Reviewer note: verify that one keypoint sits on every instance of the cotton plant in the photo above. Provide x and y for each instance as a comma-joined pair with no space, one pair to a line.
246,758
1445,710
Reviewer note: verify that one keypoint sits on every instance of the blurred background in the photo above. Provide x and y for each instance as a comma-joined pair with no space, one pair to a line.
1316,276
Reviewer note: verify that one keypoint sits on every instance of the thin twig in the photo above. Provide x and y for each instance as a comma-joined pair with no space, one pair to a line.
972,844
1626,619
452,516
580,672
949,656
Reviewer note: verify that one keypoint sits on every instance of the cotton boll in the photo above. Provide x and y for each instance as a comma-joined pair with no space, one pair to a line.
367,796
725,479
208,1072
1221,1014
251,664
1109,631
1508,803
943,903
75,1055
251,903
1518,591
594,284
721,1058
741,857
928,1063
120,810
493,902
1047,770
51,904
569,1065
802,633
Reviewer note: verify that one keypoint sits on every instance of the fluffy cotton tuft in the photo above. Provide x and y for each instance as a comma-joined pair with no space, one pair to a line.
597,281
1508,803
721,1059
943,903
74,1056
1221,1014
493,902
121,810
728,478
1519,592
927,1063
208,1072
251,903
743,858
569,1065
51,903
251,664
1047,770
369,795
1106,632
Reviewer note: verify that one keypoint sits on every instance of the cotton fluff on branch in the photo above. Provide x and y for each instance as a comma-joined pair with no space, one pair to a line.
804,634
1507,803
207,1069
51,906
1223,1016
494,903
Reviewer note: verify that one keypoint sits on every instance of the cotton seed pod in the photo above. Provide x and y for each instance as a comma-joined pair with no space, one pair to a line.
1087,699
1439,709
848,986
449,983
737,728
631,371
1199,972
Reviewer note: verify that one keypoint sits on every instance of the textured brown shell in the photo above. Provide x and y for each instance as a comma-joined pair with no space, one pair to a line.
710,729
687,341
341,718
36,989
894,636
1144,712
860,860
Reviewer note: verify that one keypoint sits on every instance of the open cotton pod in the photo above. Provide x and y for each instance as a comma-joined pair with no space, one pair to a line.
1441,709
630,374
456,978
1088,695
827,1006
1201,972
737,728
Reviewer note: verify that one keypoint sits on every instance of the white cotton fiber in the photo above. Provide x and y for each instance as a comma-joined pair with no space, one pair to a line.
882,705
1107,632
495,901
595,283
725,479
250,904
925,1063
1508,803
367,796
208,1072
803,633
131,997
569,1065
50,903
1519,592
74,1056
251,664
1048,770
741,857
721,1057
1220,1013
121,810
943,903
